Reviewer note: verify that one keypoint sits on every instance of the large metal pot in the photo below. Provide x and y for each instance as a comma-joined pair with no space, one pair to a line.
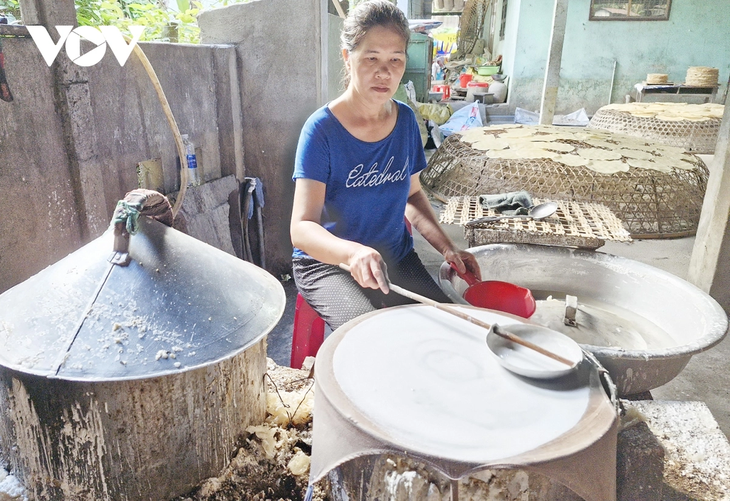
415,382
133,382
691,320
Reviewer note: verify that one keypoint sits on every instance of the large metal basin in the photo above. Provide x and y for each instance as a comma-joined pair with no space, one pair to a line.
692,320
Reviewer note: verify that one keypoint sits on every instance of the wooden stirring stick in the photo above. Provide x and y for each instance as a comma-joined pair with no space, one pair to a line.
453,311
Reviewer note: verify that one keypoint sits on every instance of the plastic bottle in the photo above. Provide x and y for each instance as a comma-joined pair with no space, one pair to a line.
193,173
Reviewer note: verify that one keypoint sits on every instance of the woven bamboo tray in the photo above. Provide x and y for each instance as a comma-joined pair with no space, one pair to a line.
575,224
660,202
696,134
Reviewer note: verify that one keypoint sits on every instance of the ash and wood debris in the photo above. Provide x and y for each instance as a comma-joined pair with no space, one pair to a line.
272,462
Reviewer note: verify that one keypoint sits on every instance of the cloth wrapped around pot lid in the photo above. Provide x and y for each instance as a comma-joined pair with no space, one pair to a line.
178,305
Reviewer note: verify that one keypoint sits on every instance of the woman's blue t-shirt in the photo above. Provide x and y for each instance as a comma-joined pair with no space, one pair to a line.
367,183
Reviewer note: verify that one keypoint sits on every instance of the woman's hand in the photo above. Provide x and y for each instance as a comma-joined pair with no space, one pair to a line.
368,269
463,261
420,213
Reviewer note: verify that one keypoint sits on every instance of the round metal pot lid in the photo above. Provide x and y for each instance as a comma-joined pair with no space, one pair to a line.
180,304
419,380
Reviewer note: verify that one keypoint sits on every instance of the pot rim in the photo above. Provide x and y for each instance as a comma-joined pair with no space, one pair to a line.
714,334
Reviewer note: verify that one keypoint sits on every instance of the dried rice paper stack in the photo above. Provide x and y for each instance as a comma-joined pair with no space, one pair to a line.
669,117
702,76
635,143
475,134
713,110
593,134
608,166
601,152
572,160
672,112
656,78
513,133
531,152
648,164
667,150
635,154
509,154
554,146
490,142
553,136
600,143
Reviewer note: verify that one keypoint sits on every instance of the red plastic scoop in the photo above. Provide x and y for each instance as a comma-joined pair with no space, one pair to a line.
497,295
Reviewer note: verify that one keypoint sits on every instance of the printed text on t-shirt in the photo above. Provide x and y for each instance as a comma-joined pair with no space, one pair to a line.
373,177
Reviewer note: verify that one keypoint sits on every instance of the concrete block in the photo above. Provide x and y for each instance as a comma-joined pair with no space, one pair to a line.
205,213
697,453
279,90
639,465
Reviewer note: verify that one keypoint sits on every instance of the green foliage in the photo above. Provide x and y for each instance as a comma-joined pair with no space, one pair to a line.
10,7
160,23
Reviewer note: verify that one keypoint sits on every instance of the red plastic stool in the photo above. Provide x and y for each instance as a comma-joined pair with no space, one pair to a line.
308,333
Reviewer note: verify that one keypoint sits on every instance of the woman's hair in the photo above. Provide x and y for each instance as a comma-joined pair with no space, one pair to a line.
369,14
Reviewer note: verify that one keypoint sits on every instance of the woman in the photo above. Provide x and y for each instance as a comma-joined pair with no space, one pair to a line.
356,175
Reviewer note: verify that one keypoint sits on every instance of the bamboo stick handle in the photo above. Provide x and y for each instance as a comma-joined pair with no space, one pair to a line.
464,316
167,111
518,340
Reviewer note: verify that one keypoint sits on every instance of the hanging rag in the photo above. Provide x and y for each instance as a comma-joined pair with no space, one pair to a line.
256,188
125,221
141,202
253,201
514,203
5,93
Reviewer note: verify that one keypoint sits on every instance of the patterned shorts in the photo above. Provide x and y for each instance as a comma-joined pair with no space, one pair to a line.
338,298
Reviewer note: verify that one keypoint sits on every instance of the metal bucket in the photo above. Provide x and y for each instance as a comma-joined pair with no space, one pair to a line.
133,382
691,320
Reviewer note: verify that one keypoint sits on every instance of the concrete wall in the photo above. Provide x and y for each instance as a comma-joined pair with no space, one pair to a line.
79,133
508,46
280,48
39,221
71,140
498,46
695,35
335,63
197,80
